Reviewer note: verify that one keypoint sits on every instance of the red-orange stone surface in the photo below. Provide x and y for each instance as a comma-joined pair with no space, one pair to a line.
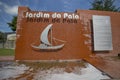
28,33
78,36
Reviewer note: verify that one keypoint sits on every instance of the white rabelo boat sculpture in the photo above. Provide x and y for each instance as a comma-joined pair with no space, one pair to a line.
45,44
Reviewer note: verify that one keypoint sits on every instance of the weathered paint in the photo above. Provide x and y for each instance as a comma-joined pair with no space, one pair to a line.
77,34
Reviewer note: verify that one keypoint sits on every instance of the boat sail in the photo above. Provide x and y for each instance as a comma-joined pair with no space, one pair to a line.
45,44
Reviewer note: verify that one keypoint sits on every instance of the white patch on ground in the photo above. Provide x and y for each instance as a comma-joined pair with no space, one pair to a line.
87,73
12,71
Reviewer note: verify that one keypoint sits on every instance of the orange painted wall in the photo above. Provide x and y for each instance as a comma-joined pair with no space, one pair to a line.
78,36
29,33
86,15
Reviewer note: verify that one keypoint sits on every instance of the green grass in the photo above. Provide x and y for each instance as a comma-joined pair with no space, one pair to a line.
6,52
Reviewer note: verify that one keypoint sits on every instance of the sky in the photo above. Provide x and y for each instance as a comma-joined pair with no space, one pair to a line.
8,8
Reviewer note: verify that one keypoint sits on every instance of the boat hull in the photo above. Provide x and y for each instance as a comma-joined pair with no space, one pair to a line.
41,47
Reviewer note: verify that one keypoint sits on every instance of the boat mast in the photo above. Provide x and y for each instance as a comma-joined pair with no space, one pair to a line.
51,36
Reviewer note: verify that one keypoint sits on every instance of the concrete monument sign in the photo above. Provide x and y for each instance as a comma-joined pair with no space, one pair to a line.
43,35
49,36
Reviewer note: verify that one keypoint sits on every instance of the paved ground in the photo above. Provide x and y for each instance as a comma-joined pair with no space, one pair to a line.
108,63
6,58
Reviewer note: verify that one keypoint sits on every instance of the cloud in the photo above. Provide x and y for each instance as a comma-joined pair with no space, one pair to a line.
0,3
12,10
